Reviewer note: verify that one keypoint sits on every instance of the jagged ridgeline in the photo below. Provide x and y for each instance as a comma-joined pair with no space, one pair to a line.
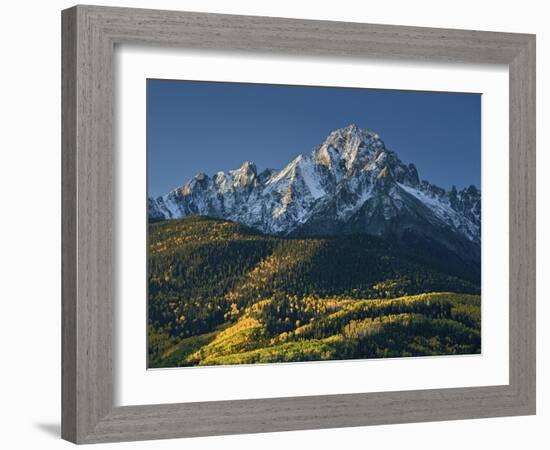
342,254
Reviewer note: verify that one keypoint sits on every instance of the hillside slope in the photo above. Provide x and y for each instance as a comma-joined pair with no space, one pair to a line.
223,293
286,329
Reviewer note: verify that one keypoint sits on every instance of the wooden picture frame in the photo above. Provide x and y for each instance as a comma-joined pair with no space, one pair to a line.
90,34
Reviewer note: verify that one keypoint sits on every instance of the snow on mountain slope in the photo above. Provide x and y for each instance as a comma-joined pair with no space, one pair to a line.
349,183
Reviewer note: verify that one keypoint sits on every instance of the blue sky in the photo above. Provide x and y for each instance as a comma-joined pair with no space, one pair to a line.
206,127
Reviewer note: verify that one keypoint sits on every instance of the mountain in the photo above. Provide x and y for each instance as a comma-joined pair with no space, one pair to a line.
351,183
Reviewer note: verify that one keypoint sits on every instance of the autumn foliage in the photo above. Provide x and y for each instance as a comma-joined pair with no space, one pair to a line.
221,293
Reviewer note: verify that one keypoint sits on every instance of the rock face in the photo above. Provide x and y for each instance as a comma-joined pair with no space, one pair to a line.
351,183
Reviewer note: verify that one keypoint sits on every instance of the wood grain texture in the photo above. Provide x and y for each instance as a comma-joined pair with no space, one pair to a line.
523,224
89,36
68,225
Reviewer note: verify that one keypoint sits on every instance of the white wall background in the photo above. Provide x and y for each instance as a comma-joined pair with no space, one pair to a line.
31,208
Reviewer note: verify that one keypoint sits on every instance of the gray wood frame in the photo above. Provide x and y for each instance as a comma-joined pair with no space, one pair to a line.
89,36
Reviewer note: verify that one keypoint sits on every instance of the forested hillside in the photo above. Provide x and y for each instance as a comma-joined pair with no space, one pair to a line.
222,293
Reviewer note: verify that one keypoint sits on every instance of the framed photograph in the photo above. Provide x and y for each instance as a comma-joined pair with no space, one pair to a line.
277,224
340,252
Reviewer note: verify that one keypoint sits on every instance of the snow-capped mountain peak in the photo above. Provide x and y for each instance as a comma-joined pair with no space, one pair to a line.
350,183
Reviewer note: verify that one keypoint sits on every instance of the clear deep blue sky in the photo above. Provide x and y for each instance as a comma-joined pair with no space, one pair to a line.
206,127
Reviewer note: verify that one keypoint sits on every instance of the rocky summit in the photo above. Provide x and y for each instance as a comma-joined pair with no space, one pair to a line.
350,183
